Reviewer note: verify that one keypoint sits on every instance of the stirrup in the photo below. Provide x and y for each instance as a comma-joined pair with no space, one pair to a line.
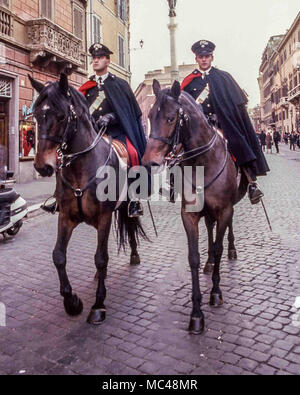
139,211
258,194
50,208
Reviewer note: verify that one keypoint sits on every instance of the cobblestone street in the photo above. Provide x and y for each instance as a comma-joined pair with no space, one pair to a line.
256,331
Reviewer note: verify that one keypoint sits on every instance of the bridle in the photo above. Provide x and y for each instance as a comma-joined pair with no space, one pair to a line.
63,141
65,159
176,157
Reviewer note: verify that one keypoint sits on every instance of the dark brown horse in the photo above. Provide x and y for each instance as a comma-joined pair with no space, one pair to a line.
64,126
176,119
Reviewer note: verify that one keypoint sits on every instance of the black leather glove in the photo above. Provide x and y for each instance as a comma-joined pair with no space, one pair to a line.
106,120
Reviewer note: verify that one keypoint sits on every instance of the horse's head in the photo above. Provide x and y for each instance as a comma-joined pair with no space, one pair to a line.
164,117
51,111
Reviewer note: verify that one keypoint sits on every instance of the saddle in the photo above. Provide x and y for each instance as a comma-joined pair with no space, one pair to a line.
120,150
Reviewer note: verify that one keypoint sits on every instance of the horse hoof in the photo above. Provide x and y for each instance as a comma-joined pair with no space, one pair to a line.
96,316
232,254
135,260
73,305
208,268
196,326
216,300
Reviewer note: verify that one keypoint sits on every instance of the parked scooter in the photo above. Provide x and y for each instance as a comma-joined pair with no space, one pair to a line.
13,208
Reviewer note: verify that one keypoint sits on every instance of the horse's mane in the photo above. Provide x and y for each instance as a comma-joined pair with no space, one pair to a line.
59,102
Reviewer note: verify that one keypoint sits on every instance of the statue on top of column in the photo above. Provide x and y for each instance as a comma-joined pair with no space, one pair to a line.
172,5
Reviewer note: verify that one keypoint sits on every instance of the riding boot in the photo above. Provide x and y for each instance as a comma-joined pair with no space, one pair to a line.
50,207
135,209
254,192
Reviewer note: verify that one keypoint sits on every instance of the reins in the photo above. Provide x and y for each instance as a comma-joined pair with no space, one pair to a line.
175,139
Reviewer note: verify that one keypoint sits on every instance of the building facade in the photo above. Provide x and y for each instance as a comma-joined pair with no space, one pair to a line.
144,93
44,38
279,81
108,23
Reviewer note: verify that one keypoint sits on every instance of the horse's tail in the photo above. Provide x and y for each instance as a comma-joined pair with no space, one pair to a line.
127,227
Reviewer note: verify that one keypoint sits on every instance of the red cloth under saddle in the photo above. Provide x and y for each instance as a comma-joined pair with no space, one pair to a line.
133,155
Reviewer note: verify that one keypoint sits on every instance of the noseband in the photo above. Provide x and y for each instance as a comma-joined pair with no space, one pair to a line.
174,140
175,157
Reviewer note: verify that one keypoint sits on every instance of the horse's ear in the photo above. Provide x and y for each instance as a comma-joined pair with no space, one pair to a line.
63,83
156,87
176,90
38,86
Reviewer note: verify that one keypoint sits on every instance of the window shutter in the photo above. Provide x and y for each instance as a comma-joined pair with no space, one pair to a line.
46,8
4,3
96,29
121,52
78,23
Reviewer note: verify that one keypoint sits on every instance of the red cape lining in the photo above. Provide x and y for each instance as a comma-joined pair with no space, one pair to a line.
189,79
86,86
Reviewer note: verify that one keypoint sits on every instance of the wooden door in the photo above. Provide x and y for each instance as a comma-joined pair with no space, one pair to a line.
4,127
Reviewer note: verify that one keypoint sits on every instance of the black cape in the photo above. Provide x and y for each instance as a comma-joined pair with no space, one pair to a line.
124,105
229,102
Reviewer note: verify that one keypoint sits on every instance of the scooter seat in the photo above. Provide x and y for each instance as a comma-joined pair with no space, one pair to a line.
8,195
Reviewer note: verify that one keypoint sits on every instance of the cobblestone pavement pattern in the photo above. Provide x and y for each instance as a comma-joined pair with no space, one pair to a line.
148,306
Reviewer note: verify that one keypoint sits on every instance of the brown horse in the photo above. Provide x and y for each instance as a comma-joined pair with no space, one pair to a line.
64,126
176,119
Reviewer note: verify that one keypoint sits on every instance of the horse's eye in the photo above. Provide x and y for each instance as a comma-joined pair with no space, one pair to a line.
170,120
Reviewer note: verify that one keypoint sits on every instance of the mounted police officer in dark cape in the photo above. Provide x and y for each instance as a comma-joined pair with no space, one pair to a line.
224,104
112,105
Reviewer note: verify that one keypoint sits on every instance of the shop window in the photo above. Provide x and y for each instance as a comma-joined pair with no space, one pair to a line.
27,133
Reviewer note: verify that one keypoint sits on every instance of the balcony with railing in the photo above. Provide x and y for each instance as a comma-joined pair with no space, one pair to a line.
6,23
48,43
294,95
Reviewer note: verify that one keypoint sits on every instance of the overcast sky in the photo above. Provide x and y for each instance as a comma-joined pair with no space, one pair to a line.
239,28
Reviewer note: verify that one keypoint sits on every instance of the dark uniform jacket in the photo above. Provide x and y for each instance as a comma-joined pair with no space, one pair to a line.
120,100
227,102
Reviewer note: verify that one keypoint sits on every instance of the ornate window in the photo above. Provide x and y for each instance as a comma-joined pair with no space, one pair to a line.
5,88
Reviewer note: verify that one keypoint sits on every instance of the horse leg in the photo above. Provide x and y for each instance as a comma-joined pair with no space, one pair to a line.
134,256
231,247
190,222
98,311
72,304
216,298
209,266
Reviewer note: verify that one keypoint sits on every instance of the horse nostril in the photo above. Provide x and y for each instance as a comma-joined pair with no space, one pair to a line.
46,171
49,169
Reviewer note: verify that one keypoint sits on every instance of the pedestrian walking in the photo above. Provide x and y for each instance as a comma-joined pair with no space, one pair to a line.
293,141
269,142
263,137
276,139
286,138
